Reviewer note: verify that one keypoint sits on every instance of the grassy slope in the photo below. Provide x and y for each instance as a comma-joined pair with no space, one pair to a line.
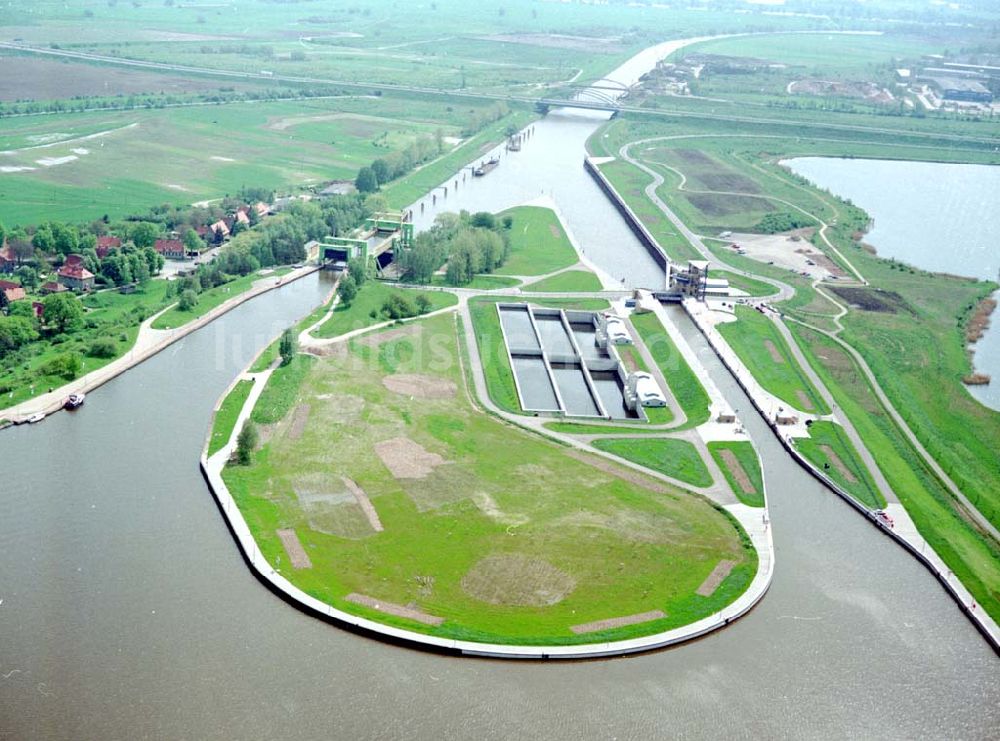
370,298
282,390
225,418
571,281
683,382
676,458
747,457
434,533
538,243
213,298
786,379
973,557
829,434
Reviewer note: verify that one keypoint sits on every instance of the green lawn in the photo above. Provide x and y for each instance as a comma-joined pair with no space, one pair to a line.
213,298
678,459
827,443
225,418
497,541
538,243
684,384
571,281
746,458
572,428
493,351
370,298
482,282
743,283
758,342
282,390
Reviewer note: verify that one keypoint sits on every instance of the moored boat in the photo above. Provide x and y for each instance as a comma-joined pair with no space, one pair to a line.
74,401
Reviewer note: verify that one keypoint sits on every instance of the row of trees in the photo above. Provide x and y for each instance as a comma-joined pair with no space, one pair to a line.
397,164
470,243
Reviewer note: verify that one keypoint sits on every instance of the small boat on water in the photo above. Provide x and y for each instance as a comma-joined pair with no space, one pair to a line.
74,401
38,417
486,167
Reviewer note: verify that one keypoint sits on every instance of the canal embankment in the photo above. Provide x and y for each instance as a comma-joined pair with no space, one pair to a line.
149,342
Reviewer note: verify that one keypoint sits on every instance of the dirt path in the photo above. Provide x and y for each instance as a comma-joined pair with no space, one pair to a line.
293,547
804,400
713,580
736,469
389,608
773,352
366,505
618,622
838,464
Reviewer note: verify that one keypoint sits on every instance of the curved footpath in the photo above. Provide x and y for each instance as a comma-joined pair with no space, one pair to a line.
148,343
754,521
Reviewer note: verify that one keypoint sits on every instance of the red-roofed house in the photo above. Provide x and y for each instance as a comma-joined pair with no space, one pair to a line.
172,249
10,292
52,287
105,245
241,216
74,275
219,227
261,208
39,308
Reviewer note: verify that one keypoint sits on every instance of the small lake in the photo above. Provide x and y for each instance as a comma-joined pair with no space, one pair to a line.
940,217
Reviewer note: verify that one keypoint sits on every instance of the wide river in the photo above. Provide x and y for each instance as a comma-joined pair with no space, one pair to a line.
934,216
127,612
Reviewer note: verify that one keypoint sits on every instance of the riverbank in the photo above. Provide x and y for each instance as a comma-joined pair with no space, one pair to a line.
903,531
148,343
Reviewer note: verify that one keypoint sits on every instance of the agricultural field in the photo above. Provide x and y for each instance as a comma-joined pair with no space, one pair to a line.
77,167
438,518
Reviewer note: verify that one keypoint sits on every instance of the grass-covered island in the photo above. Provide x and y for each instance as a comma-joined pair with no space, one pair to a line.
382,490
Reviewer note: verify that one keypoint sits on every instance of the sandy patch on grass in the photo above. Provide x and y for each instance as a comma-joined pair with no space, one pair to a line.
419,386
488,506
618,622
366,505
80,150
713,580
55,161
832,456
773,352
736,469
175,186
804,400
407,459
411,613
554,231
336,350
293,547
217,158
513,579
11,168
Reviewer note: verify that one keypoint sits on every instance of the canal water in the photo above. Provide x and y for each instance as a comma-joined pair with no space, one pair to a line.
934,216
126,611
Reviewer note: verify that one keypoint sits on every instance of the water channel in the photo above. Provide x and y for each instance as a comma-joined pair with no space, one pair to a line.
935,216
127,611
